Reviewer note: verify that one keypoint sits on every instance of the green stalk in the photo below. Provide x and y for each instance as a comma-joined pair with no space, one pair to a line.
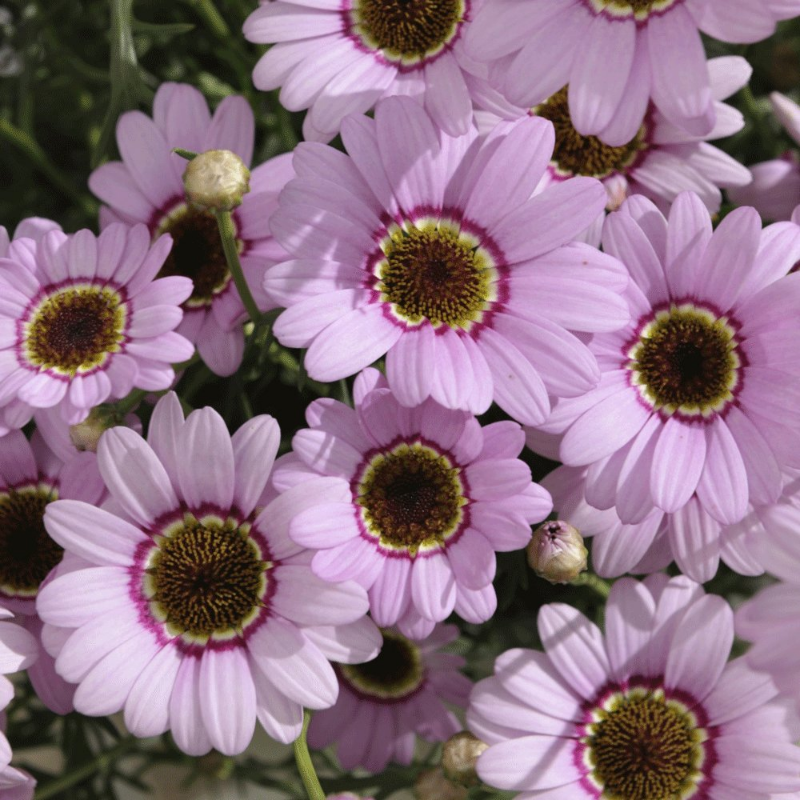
304,764
80,774
593,582
228,234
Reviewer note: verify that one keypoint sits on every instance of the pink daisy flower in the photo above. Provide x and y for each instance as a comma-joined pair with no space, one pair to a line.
775,189
431,251
147,186
394,698
691,537
15,414
649,710
617,56
83,321
338,58
700,394
660,161
187,589
426,497
32,477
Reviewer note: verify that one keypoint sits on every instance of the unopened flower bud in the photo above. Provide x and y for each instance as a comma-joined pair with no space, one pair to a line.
432,785
85,435
556,552
459,756
216,179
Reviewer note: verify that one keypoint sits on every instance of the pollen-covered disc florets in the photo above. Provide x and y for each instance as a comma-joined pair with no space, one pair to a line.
27,553
206,578
412,497
643,745
575,154
435,273
686,360
639,10
196,253
74,328
407,31
395,673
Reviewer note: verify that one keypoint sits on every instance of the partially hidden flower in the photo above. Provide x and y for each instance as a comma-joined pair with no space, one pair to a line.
767,620
14,413
616,56
18,650
775,189
32,477
650,709
660,161
691,537
431,251
700,394
84,319
185,589
339,58
386,703
412,503
147,186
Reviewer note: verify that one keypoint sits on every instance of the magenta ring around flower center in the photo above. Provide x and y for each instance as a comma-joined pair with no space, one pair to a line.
348,30
609,692
358,477
449,216
44,294
635,339
144,551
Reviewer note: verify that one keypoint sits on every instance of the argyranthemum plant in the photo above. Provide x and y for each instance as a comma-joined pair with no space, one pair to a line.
431,251
83,319
652,709
698,394
147,187
188,590
393,699
427,496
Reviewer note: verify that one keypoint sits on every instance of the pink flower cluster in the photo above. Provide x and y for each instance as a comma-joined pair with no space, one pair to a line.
525,220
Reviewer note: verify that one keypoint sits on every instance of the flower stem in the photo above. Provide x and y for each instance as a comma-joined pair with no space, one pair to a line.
80,774
228,234
593,582
304,764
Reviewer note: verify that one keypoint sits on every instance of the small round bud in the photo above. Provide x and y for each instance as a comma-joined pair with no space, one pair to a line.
85,435
459,756
432,785
556,552
216,179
